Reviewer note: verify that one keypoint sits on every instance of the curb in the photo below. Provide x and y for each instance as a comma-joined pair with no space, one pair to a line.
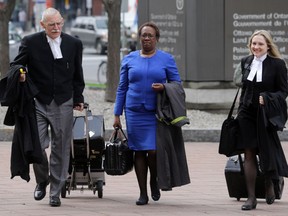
189,135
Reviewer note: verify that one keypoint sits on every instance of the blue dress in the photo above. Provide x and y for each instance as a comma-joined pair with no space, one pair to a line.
136,96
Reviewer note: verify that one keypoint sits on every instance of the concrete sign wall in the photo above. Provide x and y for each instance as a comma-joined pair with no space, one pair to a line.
205,40
192,31
209,37
243,17
169,16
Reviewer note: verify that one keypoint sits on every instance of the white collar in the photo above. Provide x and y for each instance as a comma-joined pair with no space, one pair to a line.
55,47
57,40
262,58
256,68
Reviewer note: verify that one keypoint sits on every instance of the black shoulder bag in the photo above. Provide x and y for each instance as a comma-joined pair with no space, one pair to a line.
229,133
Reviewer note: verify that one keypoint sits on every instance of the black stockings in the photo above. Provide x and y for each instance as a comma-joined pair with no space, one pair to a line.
143,161
250,170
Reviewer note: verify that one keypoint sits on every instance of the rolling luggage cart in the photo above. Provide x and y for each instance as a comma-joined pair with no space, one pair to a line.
86,169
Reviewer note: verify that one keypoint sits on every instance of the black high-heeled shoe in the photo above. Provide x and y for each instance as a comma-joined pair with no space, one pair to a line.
270,194
249,206
155,192
156,195
143,200
270,200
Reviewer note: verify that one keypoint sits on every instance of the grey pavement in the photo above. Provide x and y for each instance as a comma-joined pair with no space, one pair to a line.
205,195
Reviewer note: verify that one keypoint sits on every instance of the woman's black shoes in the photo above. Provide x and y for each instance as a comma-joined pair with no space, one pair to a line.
249,205
270,194
156,195
143,200
155,192
270,200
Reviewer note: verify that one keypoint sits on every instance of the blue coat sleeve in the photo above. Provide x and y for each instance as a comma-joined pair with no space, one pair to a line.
122,88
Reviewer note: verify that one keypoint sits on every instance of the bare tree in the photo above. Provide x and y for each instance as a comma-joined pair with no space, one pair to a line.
6,10
113,8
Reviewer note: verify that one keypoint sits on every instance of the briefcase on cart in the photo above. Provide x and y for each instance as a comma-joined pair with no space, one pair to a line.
96,142
86,160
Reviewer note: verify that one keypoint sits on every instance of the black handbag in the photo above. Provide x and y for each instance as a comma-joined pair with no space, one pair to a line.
119,158
229,133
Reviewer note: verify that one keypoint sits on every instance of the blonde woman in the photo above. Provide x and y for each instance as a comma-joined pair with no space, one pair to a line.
264,84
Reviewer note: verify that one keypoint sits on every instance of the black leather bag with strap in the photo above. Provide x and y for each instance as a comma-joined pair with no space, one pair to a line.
229,133
119,158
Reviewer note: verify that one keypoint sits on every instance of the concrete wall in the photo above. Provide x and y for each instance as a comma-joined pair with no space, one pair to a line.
209,37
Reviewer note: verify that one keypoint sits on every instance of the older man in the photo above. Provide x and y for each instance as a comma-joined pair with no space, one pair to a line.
54,63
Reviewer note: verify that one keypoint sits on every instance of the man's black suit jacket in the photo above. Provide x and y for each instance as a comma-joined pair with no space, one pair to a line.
58,79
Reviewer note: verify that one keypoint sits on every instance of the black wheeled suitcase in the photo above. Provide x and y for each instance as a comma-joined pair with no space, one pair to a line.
88,142
235,180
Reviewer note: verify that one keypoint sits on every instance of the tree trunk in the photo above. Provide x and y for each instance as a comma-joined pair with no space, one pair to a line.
113,8
5,15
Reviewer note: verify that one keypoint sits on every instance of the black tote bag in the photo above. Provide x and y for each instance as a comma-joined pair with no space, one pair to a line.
119,158
229,133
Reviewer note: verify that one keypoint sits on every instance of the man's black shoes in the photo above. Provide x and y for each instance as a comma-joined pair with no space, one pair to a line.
55,201
40,190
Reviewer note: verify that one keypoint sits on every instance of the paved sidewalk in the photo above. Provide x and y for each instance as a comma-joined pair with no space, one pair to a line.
205,195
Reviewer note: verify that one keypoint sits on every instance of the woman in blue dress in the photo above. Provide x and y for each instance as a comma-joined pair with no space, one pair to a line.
141,77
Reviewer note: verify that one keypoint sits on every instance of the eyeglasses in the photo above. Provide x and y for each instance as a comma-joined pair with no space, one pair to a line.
59,24
150,36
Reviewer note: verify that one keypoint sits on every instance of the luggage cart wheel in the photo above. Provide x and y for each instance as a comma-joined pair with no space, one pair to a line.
100,189
63,191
